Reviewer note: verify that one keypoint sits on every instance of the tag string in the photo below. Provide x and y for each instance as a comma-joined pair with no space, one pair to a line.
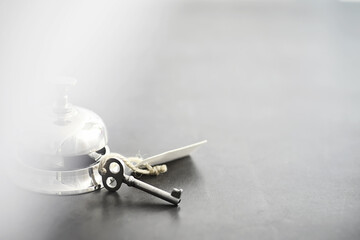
134,163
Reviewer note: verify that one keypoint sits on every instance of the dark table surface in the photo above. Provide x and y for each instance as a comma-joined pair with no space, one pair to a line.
273,86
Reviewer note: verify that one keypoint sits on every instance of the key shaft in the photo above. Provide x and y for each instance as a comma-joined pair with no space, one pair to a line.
174,197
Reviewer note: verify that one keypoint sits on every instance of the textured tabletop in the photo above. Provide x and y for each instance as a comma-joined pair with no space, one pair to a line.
274,86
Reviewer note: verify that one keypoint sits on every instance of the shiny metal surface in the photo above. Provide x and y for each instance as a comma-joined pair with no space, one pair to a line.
60,150
62,182
81,133
61,128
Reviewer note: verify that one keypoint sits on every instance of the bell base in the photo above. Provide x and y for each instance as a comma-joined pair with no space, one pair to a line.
58,182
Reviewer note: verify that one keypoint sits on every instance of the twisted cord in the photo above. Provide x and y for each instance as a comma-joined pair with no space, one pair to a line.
131,162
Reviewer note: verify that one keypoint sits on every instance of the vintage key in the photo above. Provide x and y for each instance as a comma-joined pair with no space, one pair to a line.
114,175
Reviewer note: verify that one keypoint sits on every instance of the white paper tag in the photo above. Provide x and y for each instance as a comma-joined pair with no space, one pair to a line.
171,155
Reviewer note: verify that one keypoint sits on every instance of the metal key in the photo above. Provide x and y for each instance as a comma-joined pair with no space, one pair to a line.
114,175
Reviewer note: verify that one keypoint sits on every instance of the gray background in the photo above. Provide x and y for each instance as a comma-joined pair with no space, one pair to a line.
272,85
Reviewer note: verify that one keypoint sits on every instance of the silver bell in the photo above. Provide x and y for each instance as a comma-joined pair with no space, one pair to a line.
60,150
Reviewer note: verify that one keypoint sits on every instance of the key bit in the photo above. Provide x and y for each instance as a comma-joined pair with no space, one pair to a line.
114,175
176,193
